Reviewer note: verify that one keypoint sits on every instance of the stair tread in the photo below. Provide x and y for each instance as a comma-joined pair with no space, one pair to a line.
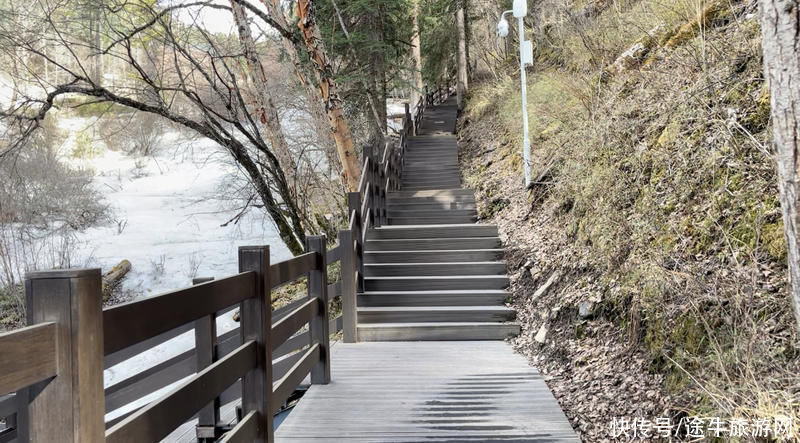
444,263
434,308
429,251
433,277
437,324
442,292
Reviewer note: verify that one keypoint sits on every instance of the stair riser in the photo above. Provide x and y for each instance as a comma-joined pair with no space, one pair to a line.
430,300
434,244
438,333
432,184
434,193
425,317
429,200
434,213
434,269
467,203
429,175
432,257
431,220
423,284
467,231
435,206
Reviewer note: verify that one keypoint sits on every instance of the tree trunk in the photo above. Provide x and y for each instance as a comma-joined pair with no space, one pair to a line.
316,107
461,87
780,32
328,92
416,55
96,45
378,67
265,109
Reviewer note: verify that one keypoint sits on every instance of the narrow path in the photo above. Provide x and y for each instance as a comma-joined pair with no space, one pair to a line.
431,364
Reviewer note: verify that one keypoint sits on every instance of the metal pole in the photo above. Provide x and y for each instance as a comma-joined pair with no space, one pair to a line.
526,141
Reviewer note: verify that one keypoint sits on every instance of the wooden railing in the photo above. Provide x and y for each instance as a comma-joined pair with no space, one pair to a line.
51,373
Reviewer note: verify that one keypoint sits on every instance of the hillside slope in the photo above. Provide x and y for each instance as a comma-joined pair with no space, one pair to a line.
649,260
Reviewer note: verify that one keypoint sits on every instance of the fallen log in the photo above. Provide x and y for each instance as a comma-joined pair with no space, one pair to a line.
114,276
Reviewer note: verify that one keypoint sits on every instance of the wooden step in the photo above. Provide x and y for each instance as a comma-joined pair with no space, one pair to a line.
431,206
431,200
441,269
433,256
438,231
436,331
449,220
486,297
430,175
431,314
432,193
441,244
430,283
436,213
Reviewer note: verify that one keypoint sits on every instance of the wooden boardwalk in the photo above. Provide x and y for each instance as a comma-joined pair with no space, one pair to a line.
431,274
421,288
428,391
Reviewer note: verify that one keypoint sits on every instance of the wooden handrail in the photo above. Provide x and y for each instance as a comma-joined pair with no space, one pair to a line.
292,269
287,326
129,323
29,356
159,418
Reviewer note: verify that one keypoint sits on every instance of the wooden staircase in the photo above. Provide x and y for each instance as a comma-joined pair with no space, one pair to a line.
430,273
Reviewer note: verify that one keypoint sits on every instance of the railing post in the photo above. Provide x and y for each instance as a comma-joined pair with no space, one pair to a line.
348,276
318,288
354,204
256,324
205,342
71,406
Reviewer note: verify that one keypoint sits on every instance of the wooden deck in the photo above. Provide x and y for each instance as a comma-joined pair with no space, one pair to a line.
428,391
431,275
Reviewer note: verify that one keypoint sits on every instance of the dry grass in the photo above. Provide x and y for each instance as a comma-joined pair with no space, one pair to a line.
660,202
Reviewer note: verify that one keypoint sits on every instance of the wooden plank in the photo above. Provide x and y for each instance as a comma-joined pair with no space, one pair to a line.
291,323
256,322
318,326
111,360
283,311
348,285
293,344
129,323
244,432
335,325
159,418
70,406
281,367
117,357
150,380
8,405
290,270
8,435
334,290
489,392
29,356
205,350
295,375
334,254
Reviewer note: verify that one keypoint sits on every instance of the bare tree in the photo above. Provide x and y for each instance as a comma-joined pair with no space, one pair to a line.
462,85
780,32
178,71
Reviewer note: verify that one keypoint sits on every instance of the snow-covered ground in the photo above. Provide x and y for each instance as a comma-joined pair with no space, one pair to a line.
167,215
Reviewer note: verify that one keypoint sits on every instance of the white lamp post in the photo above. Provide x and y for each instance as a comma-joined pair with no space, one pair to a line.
520,10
